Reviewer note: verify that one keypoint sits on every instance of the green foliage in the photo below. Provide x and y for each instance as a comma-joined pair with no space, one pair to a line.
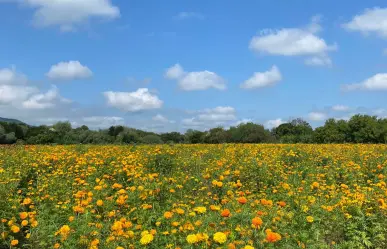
359,129
152,139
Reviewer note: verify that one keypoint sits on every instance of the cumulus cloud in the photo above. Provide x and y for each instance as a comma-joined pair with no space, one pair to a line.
211,117
370,21
162,119
294,42
378,82
273,123
194,81
317,116
15,94
9,76
340,108
142,99
263,79
70,14
45,100
71,70
175,72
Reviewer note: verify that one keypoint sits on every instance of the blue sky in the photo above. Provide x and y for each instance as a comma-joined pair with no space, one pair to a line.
174,65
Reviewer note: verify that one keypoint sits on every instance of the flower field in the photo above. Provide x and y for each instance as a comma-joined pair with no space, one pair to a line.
193,196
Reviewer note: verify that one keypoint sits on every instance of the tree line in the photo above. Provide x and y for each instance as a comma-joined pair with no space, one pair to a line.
358,129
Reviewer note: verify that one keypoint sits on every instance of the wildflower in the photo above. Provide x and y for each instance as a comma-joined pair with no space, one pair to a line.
192,239
23,215
14,242
256,222
248,247
15,229
168,215
64,232
309,219
146,238
24,223
27,201
271,236
220,237
200,210
99,203
225,213
242,200
315,185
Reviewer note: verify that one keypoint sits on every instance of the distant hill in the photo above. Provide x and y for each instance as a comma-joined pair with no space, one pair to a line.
10,120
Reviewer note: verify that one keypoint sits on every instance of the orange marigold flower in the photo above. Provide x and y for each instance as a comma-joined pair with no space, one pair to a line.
14,242
257,222
242,200
23,215
225,213
272,237
281,203
168,215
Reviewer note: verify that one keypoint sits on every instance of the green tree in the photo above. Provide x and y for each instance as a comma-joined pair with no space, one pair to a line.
152,139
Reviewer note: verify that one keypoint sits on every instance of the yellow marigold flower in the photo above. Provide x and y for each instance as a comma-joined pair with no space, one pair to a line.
248,247
200,210
15,229
23,215
220,237
119,247
14,242
99,203
146,239
168,215
179,211
24,223
315,185
27,201
57,245
309,219
192,239
214,208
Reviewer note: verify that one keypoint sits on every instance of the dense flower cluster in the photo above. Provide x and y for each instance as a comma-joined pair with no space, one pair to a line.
193,196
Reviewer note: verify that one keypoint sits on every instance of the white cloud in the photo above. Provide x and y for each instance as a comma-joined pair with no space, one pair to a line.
69,71
69,14
103,121
243,121
175,72
378,82
318,61
264,79
370,21
317,116
11,94
211,117
139,100
340,108
44,100
161,119
189,15
9,76
293,42
385,51
274,123
194,81
218,114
